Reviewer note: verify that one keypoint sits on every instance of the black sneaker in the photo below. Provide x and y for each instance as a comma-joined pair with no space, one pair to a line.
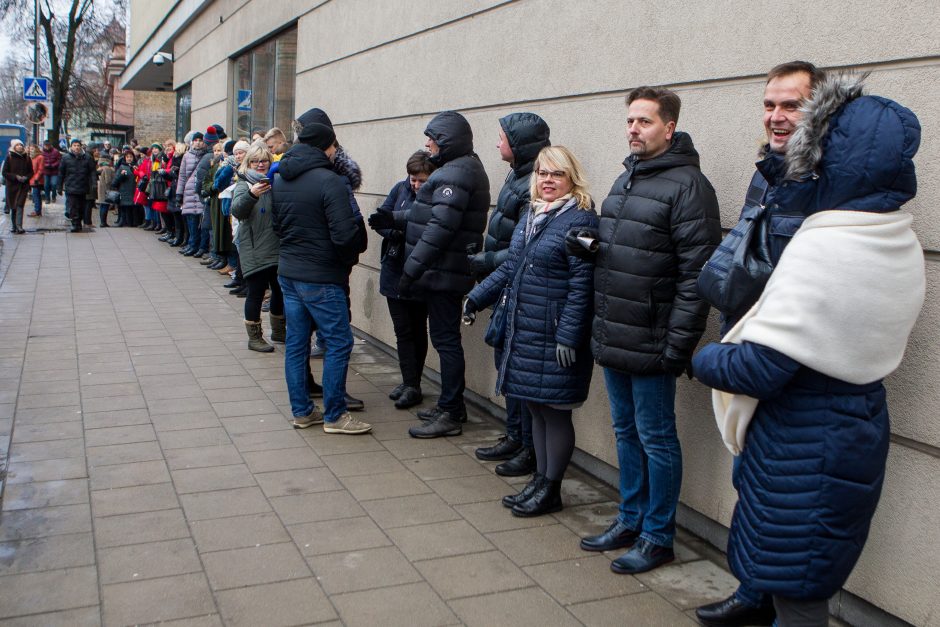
409,398
444,425
396,393
505,448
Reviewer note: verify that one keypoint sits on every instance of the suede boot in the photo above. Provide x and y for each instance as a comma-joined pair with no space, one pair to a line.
546,499
278,328
256,338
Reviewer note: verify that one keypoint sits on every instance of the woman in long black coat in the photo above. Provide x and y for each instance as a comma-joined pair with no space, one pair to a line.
546,358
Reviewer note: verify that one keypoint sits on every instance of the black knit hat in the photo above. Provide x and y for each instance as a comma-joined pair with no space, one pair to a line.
317,135
315,116
198,135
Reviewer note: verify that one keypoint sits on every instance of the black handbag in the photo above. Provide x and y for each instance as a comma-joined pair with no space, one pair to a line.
113,197
733,279
496,330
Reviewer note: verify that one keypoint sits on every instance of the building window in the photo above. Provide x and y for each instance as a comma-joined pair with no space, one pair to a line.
184,110
264,85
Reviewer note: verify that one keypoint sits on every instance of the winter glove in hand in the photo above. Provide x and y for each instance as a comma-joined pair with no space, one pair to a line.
470,310
404,286
574,248
395,237
480,264
564,355
677,366
381,220
179,200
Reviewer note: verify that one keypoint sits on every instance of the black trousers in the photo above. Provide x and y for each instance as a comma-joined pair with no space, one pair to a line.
409,317
257,283
444,310
76,204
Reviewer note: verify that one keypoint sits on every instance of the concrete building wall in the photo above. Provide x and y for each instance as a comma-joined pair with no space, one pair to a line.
144,19
382,70
154,116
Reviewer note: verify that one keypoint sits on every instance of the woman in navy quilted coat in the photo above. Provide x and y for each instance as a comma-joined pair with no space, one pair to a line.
798,380
546,354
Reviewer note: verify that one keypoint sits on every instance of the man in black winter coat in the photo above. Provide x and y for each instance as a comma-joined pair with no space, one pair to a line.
521,137
75,175
658,227
320,242
444,225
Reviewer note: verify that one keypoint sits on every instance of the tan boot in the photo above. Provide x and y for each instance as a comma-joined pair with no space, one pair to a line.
256,338
278,328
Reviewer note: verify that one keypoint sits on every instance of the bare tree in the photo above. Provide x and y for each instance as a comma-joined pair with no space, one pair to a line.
12,107
71,31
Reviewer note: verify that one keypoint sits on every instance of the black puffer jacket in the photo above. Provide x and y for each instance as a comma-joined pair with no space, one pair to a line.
527,134
446,221
658,227
76,173
319,233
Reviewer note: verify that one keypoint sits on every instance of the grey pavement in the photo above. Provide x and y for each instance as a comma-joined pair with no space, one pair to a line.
153,475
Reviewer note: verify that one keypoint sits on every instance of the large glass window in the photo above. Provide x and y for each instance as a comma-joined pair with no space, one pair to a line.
184,110
264,85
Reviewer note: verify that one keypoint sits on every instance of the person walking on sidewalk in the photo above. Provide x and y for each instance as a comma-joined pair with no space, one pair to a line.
443,225
36,183
17,171
521,137
76,173
319,244
259,247
546,355
658,227
51,160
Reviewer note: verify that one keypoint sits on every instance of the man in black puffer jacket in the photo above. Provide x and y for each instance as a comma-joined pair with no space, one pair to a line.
521,137
320,238
444,225
76,171
658,227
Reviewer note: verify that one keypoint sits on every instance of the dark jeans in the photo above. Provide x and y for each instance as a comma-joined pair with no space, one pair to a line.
648,452
90,204
410,317
37,199
444,327
192,225
325,305
50,186
103,209
75,207
258,282
518,418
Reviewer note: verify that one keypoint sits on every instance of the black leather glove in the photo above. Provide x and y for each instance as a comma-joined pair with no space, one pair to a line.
179,200
395,237
404,285
565,355
576,248
470,310
676,366
480,263
381,220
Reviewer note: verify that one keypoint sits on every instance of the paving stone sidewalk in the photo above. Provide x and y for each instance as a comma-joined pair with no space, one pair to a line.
153,476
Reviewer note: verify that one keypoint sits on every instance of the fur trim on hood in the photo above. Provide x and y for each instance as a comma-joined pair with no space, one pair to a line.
805,148
345,166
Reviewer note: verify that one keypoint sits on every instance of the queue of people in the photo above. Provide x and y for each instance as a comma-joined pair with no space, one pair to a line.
798,399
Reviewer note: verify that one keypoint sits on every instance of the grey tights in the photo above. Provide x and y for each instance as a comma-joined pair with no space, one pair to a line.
553,439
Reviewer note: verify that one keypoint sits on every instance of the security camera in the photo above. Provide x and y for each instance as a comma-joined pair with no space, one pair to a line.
162,57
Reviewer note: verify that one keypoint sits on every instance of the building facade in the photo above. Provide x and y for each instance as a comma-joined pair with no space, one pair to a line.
382,70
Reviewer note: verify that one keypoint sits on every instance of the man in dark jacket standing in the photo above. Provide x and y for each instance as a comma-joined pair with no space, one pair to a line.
75,177
658,226
444,225
320,241
521,137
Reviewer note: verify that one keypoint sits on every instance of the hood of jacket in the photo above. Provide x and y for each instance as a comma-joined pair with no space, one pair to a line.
680,153
453,135
855,151
302,158
527,134
345,166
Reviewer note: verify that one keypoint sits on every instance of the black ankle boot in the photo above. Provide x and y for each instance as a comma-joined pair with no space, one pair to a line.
526,493
522,463
546,499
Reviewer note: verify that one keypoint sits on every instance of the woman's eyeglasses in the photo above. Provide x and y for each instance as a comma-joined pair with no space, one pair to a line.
556,175
259,162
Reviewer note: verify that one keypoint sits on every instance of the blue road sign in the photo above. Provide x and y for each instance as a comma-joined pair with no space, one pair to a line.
244,100
35,88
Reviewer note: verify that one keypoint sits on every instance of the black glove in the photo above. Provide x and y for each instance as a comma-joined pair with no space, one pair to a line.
179,200
480,264
470,310
404,285
677,366
395,237
574,247
381,220
565,355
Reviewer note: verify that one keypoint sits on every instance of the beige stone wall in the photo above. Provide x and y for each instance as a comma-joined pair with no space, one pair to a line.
145,16
154,116
382,69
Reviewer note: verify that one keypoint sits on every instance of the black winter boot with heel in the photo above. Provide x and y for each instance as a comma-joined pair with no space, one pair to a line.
546,499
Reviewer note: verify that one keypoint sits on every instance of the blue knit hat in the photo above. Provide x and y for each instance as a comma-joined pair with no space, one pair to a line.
211,137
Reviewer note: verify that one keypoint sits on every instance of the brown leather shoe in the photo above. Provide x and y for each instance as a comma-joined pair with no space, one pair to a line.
227,269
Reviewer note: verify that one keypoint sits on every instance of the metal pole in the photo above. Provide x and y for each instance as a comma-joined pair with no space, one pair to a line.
36,59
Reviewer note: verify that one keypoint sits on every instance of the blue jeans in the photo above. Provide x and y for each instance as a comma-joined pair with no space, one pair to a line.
50,186
37,199
323,304
192,226
644,420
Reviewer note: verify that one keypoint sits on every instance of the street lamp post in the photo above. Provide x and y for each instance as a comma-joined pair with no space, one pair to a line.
36,58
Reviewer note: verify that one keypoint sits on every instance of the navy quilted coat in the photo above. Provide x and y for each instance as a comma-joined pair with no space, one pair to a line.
551,305
812,468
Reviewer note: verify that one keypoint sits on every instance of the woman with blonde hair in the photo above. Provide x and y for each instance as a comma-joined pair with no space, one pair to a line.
258,246
544,296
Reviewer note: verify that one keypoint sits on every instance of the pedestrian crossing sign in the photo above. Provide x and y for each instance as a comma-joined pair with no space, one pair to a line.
35,88
244,100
